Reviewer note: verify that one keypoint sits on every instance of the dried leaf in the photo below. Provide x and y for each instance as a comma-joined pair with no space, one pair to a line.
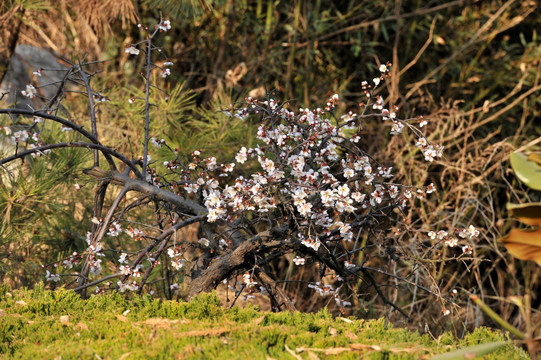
162,322
486,106
81,326
529,213
258,93
524,245
394,350
199,333
330,351
124,356
292,353
121,318
440,40
65,320
232,77
535,158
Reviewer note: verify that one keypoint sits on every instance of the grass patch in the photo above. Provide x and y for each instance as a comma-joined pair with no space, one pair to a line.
44,324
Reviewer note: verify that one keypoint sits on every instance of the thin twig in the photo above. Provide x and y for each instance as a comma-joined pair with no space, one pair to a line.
369,23
460,50
67,123
382,295
147,101
91,104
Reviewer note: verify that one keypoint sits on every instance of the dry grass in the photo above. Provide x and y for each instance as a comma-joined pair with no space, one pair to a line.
475,182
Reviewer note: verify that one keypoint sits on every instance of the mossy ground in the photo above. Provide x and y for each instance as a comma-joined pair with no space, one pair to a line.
40,324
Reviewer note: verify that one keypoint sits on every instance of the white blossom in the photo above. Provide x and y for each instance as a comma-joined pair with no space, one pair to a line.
132,50
52,277
30,91
165,25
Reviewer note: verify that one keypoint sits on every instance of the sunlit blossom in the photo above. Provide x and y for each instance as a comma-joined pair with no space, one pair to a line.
52,277
165,25
132,50
30,91
467,249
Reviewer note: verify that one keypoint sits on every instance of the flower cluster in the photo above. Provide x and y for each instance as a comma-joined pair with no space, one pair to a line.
299,261
299,155
20,137
322,289
71,261
130,286
115,229
451,241
52,277
248,282
176,257
311,168
30,91
134,233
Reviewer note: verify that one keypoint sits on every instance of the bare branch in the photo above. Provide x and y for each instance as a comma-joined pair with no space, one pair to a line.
40,149
262,244
67,123
185,205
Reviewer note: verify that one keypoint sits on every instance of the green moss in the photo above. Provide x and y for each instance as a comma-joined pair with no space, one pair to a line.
43,324
482,335
446,338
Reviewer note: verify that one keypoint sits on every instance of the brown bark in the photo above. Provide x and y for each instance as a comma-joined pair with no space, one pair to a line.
186,205
266,244
279,292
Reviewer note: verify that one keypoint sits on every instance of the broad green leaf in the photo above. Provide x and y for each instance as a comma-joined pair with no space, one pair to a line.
471,352
527,171
524,245
529,214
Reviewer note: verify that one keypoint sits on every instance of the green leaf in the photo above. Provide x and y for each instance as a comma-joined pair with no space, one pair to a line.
471,352
527,171
529,213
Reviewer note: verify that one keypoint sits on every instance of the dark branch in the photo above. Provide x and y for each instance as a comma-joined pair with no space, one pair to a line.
67,123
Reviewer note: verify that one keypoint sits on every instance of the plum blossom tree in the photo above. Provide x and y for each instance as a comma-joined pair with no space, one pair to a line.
309,188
